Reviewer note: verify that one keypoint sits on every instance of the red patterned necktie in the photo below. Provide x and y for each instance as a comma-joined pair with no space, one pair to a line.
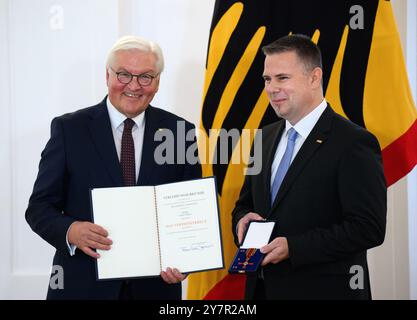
127,155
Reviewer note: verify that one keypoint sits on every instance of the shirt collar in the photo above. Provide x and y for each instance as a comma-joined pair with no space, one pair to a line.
117,118
306,124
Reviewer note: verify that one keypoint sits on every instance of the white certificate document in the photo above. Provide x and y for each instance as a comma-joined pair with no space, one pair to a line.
189,234
172,225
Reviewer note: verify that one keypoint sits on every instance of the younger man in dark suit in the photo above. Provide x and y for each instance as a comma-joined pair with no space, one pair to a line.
322,180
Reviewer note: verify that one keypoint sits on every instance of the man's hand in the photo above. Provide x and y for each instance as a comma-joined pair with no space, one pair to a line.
276,251
88,236
172,276
244,222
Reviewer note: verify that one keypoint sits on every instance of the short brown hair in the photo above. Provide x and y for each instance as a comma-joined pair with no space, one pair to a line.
306,50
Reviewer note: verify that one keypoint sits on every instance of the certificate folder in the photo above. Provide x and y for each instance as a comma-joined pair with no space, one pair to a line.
249,257
154,227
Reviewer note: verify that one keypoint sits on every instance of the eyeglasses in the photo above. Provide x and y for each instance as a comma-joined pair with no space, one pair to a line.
125,77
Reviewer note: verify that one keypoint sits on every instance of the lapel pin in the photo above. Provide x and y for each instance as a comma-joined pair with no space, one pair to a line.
319,141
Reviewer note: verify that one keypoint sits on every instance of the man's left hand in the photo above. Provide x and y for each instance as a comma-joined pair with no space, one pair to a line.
275,251
172,275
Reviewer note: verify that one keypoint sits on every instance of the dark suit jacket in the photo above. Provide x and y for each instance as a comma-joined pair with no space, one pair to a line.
331,207
81,155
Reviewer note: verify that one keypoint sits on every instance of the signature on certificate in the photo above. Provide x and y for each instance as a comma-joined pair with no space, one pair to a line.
197,246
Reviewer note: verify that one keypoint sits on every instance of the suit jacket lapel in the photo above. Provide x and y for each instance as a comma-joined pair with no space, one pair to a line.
267,159
102,136
315,139
152,121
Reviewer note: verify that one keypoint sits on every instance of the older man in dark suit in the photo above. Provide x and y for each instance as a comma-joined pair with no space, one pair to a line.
322,180
107,145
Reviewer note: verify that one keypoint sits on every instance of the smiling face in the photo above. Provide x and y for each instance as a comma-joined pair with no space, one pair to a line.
293,91
132,99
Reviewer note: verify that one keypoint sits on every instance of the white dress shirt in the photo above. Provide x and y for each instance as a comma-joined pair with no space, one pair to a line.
303,128
117,124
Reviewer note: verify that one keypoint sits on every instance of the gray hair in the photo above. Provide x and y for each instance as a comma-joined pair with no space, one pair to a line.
143,45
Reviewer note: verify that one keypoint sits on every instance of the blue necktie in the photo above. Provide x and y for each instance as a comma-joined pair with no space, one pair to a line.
284,164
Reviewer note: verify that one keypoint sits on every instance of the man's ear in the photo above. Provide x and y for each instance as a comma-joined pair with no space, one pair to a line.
157,82
107,76
316,77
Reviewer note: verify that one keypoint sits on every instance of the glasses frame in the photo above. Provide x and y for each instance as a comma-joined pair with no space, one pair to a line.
138,77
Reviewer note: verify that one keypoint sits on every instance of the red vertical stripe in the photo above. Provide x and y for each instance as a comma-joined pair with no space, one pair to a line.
400,156
231,287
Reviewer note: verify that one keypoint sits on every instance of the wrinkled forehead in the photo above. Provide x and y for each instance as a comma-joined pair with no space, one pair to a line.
135,60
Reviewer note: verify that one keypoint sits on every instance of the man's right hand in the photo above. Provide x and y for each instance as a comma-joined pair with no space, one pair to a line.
244,222
87,236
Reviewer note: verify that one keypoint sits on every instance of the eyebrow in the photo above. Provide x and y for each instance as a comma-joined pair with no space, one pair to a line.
150,72
275,75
